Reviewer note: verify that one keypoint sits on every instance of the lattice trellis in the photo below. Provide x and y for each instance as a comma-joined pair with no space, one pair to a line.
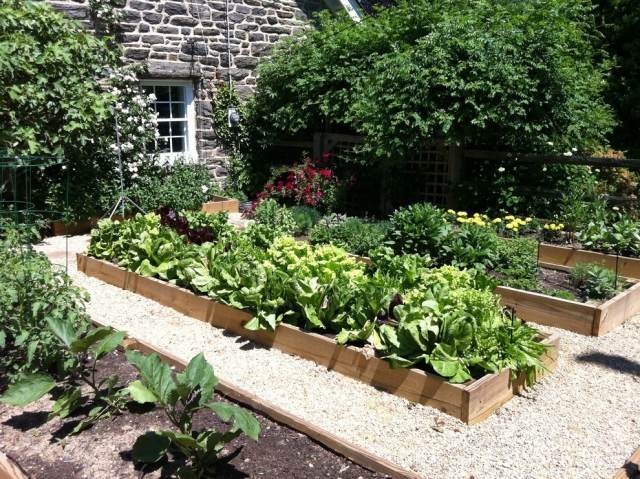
430,171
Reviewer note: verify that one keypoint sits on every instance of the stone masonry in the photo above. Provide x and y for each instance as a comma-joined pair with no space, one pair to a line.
198,40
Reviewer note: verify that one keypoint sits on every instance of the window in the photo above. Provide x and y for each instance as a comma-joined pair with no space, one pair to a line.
176,118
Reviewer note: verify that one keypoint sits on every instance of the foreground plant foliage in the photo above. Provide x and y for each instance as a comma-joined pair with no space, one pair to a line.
442,319
181,396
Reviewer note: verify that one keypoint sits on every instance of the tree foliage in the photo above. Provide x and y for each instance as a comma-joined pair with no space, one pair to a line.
49,94
619,21
517,75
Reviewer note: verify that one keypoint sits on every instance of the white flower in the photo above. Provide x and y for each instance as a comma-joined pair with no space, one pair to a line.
204,188
544,168
574,149
550,143
567,153
615,208
501,169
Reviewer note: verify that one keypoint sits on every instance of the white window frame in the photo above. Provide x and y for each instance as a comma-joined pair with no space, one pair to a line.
190,153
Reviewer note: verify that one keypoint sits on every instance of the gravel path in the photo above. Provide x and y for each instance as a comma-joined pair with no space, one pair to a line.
583,421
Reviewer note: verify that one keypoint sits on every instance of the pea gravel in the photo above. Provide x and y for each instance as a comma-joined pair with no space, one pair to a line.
582,421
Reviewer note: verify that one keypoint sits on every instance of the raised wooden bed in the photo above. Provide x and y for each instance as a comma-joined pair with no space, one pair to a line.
9,469
471,402
59,228
564,258
578,317
355,453
220,203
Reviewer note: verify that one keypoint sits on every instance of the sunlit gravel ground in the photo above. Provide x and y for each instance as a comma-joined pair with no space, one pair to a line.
583,421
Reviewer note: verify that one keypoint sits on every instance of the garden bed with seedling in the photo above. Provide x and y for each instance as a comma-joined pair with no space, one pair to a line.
564,258
471,402
44,448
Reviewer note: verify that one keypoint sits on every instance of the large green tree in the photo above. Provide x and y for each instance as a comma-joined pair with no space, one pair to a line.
522,75
619,21
50,99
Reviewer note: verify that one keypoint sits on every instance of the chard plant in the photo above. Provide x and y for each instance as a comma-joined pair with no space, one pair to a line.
181,396
82,349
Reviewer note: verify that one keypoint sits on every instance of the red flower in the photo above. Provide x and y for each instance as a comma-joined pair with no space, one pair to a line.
325,172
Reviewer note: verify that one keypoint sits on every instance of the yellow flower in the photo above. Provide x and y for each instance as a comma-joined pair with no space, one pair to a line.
476,215
462,213
528,220
546,226
510,217
497,220
461,220
451,212
561,226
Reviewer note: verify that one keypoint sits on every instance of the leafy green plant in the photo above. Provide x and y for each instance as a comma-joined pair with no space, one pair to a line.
270,222
611,234
471,246
595,281
420,228
33,293
355,235
82,348
319,287
181,396
518,263
180,186
305,218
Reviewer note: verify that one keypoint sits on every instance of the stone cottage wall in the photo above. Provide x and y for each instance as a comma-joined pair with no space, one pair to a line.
185,39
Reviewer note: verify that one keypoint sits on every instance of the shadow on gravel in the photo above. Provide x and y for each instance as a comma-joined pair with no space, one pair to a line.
612,361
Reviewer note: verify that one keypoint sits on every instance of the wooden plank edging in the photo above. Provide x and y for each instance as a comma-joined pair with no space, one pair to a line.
465,401
631,468
9,469
564,258
332,442
220,203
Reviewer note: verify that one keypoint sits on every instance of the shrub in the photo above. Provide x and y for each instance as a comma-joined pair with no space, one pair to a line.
270,222
33,293
305,217
420,228
615,233
518,263
312,183
595,281
181,186
356,235
457,73
471,246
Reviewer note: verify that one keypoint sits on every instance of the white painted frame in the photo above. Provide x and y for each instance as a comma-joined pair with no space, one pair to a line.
191,149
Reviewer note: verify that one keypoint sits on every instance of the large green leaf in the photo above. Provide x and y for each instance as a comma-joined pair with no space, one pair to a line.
109,343
150,447
66,403
28,389
242,419
140,393
82,344
63,330
155,374
199,374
